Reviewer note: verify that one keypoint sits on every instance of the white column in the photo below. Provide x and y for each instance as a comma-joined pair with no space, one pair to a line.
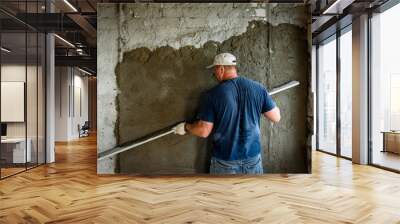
314,92
50,100
50,92
360,90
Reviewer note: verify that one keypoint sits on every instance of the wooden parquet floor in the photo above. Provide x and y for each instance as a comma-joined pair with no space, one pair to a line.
69,191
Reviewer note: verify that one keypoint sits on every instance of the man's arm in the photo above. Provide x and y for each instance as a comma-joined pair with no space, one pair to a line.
273,115
204,124
200,128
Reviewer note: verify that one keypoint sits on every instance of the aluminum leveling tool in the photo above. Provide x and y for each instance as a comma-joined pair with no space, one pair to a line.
161,134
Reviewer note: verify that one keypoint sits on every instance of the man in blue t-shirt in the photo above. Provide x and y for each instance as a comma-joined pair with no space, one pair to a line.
231,112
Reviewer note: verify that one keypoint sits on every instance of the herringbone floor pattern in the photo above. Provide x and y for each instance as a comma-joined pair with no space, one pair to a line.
69,191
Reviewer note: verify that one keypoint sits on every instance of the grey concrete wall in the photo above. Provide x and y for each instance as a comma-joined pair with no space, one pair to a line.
108,30
151,74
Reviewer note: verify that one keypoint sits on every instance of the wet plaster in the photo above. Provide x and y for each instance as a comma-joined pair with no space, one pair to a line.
160,87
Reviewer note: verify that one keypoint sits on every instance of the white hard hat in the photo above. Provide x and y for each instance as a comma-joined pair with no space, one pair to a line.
223,59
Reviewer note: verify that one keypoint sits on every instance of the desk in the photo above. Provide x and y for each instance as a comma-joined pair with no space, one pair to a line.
13,150
391,141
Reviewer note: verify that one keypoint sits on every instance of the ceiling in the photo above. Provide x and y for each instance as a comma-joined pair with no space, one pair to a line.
332,15
72,20
76,22
16,43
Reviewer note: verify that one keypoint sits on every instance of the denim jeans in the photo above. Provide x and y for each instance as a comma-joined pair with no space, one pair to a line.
246,166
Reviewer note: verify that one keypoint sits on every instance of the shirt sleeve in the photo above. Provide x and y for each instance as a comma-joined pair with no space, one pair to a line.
206,110
267,102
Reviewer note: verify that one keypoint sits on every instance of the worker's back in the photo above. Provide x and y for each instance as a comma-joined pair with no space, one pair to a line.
235,107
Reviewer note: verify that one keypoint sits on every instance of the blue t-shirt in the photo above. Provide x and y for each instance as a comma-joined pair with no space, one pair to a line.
235,107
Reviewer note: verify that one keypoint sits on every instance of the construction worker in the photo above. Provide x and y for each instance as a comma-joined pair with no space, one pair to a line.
231,112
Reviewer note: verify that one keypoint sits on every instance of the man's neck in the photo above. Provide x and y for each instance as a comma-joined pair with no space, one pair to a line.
230,76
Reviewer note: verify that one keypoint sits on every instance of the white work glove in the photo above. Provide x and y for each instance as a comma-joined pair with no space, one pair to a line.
179,129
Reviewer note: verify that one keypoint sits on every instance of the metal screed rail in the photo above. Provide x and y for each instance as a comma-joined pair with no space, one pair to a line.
153,137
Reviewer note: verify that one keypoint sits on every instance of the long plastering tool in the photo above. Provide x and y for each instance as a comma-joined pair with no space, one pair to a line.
284,87
142,141
135,144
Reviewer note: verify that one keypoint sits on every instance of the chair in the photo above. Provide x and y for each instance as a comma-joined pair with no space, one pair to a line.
84,130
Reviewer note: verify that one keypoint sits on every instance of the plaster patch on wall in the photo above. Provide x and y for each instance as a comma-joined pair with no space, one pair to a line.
161,87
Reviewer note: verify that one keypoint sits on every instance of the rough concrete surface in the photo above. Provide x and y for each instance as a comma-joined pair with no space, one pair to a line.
107,59
159,81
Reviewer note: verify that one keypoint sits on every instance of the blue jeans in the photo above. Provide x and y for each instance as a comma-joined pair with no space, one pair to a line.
246,166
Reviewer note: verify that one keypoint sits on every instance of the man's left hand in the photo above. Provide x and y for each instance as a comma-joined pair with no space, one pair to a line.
180,129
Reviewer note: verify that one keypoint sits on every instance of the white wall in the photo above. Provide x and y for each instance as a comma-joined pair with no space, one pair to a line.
61,103
9,73
33,127
70,83
80,84
16,72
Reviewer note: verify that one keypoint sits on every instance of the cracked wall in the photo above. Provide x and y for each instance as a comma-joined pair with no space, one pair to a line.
160,74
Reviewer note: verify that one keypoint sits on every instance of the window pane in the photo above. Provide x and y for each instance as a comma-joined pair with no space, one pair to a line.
346,93
386,88
327,96
31,100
